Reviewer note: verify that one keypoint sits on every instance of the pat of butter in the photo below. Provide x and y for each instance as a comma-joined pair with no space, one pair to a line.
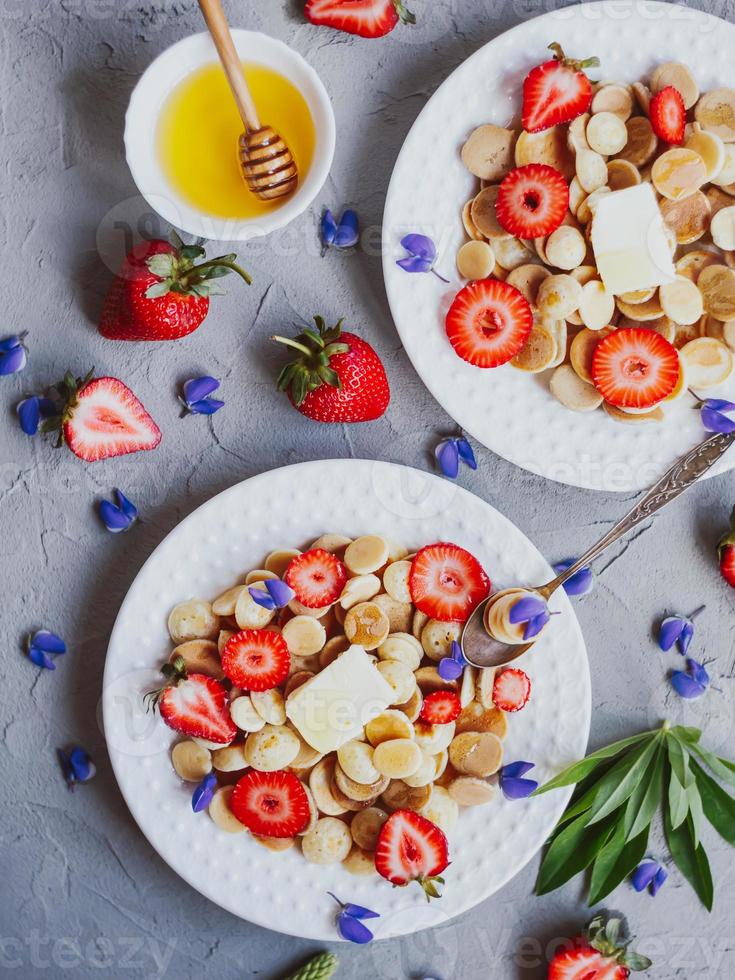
629,240
334,706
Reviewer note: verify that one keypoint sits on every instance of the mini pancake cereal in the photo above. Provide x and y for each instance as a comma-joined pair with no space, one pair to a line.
318,721
609,212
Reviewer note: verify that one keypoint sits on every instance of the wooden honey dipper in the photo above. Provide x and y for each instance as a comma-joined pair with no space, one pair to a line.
267,163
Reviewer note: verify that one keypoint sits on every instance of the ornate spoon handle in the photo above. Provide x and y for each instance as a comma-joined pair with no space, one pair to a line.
682,475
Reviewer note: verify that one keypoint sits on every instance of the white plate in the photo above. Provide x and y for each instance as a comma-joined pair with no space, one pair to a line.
512,414
211,550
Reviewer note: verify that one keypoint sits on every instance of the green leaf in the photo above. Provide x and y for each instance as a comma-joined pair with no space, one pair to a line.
175,238
163,264
191,251
636,962
287,373
678,802
571,850
329,377
696,813
614,791
214,272
722,768
652,797
615,862
158,289
718,806
690,859
580,770
299,386
689,735
679,759
584,792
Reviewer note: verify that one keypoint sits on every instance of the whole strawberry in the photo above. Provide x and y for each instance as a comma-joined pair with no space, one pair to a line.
600,953
726,552
160,293
336,377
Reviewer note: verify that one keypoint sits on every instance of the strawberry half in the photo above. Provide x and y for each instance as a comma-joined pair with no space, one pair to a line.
412,848
635,368
256,660
488,322
668,115
446,582
511,689
193,704
272,804
532,201
317,577
556,91
602,952
440,708
726,553
366,18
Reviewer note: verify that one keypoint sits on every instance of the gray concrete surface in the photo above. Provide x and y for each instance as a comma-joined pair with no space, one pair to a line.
83,894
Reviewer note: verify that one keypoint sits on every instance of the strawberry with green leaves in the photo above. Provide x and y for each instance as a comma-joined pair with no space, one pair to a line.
600,953
366,18
161,292
335,377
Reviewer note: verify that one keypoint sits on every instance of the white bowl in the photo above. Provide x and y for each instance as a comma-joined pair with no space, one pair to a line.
144,112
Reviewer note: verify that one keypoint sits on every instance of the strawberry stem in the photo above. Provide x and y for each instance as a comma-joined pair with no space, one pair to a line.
571,62
228,264
292,343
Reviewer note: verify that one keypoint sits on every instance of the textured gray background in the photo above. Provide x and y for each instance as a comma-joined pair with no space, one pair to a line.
83,893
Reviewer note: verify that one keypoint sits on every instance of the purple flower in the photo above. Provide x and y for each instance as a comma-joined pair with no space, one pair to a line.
531,610
196,400
512,785
32,411
13,354
451,667
649,875
581,583
692,682
349,921
677,630
344,234
277,596
421,255
42,645
448,454
76,765
202,795
713,414
120,516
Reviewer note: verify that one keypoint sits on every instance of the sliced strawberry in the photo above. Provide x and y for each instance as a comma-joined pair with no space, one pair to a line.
488,322
106,419
727,563
272,804
367,18
635,368
532,201
440,707
668,115
256,660
412,848
511,689
446,582
585,963
196,705
556,92
317,577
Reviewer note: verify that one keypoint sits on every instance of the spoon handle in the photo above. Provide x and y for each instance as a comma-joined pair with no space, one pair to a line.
682,475
219,29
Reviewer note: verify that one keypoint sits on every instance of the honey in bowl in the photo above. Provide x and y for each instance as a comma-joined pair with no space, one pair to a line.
198,135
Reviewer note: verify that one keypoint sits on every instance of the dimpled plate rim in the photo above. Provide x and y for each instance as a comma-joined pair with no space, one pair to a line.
211,549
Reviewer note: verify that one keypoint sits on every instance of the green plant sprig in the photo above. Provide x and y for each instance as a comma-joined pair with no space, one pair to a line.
619,790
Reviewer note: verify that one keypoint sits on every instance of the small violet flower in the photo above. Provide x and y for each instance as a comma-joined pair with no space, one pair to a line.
713,412
512,785
581,583
32,411
531,610
42,645
342,234
421,255
450,452
349,921
13,354
120,516
76,765
451,667
196,398
692,682
677,630
276,596
649,875
202,795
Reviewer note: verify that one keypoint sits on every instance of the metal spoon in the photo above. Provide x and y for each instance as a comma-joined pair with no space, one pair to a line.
483,650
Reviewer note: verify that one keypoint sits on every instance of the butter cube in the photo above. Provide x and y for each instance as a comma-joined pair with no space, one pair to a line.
339,701
629,240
